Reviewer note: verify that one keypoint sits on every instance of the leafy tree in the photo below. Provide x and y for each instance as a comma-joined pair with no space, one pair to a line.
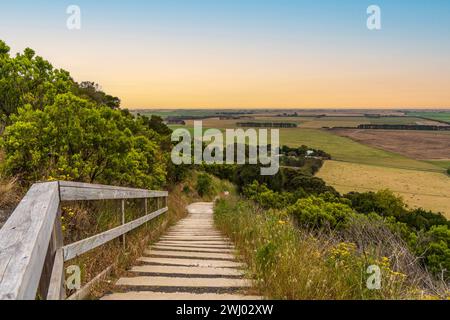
29,79
247,174
294,180
156,124
76,140
91,91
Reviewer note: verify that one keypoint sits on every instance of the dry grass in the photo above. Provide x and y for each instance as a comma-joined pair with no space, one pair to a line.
428,190
290,263
10,193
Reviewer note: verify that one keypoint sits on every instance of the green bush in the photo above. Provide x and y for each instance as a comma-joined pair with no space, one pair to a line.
384,202
267,198
435,249
204,184
420,219
186,190
74,139
315,212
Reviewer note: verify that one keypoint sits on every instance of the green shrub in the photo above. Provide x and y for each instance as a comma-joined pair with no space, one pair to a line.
74,139
204,184
419,219
435,248
384,202
186,190
267,198
314,212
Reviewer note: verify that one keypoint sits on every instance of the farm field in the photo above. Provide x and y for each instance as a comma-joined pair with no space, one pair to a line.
345,149
341,148
420,145
441,116
428,190
318,123
410,163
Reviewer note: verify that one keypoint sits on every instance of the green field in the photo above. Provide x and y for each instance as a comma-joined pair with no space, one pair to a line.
445,164
440,116
344,149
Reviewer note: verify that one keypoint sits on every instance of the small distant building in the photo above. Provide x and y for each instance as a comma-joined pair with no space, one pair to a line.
176,121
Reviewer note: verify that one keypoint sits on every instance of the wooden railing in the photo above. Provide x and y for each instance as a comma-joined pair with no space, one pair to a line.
32,253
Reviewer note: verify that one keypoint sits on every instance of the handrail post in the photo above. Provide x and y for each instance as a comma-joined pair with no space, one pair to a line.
47,288
123,222
56,288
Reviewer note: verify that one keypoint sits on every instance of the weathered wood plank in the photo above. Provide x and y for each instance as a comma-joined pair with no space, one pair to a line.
56,243
78,248
56,287
123,223
24,241
72,191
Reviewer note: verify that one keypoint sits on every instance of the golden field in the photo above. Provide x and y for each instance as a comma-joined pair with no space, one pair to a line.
429,190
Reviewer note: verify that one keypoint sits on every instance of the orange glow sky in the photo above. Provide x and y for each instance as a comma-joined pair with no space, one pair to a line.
246,54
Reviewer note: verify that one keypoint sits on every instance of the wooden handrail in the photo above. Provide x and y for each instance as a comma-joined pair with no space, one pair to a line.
32,254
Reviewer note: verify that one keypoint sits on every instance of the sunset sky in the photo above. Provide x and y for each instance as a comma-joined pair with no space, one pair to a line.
245,53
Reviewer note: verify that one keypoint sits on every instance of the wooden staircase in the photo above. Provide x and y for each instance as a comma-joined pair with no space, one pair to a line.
193,261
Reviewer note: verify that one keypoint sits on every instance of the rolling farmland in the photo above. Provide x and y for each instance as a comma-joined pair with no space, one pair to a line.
411,163
428,190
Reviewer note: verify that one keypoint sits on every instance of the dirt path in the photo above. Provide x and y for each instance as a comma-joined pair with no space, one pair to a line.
193,261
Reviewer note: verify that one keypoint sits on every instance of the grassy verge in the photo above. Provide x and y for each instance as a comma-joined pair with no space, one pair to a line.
290,263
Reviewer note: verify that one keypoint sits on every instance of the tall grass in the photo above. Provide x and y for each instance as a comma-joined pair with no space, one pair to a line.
291,263
9,193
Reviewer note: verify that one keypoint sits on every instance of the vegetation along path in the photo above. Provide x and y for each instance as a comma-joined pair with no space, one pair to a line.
192,261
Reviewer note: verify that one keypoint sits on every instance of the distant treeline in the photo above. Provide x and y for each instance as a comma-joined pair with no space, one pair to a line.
234,113
267,125
403,127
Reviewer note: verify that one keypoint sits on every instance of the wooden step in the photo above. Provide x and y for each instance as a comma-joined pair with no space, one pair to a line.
189,254
187,270
192,262
177,282
193,249
150,295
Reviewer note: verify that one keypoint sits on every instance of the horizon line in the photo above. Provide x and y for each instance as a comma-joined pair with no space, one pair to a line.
292,108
